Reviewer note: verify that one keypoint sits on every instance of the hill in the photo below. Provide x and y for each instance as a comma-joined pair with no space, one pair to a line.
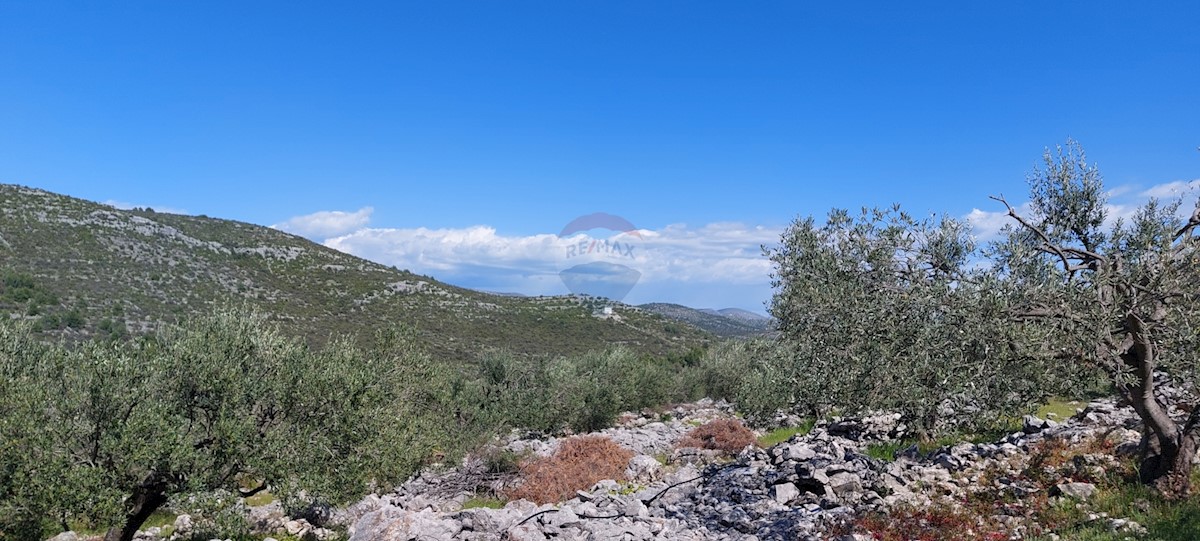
80,269
729,322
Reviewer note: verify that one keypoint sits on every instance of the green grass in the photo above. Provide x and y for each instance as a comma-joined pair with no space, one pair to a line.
483,502
885,451
160,519
1056,409
780,435
262,498
1164,520
1060,408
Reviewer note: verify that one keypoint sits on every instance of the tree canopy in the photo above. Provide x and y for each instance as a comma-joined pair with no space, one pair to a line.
883,310
107,432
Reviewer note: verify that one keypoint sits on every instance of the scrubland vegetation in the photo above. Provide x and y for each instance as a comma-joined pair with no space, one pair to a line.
877,310
102,434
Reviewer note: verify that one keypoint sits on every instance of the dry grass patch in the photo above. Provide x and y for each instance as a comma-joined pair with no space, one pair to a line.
728,435
578,464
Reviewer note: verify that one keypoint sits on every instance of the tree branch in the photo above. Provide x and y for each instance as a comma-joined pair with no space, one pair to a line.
1088,259
248,493
1188,227
1047,313
1046,243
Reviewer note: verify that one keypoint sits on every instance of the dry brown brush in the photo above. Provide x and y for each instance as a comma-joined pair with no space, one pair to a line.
578,464
728,435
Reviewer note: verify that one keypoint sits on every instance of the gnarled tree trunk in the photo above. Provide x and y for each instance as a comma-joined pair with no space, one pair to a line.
1166,449
1168,467
145,502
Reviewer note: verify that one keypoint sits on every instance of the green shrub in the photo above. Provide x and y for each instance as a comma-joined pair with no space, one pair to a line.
582,392
217,515
106,430
885,451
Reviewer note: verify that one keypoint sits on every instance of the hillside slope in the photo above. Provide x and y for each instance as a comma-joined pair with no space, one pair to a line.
79,268
729,322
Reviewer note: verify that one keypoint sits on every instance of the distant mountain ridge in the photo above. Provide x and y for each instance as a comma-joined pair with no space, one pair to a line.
726,322
738,313
106,270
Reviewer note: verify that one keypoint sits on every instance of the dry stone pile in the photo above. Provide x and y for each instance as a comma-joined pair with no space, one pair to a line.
794,490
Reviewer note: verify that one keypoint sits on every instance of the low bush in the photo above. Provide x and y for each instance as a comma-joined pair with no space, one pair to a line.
728,435
1055,459
583,393
997,513
578,464
499,461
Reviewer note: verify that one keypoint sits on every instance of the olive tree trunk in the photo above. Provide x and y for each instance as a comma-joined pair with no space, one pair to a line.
145,502
1167,449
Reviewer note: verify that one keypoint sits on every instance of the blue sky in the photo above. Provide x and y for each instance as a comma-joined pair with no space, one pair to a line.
457,138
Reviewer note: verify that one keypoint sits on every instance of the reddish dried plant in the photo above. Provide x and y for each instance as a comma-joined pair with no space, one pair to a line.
933,524
578,464
728,435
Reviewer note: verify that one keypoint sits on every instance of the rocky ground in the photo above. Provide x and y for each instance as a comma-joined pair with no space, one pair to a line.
808,487
803,488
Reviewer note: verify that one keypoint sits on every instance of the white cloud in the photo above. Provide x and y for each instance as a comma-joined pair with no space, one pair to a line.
712,256
1172,189
1122,190
726,252
327,223
1120,211
987,224
430,250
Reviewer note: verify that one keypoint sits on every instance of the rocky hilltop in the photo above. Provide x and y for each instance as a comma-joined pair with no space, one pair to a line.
99,269
728,322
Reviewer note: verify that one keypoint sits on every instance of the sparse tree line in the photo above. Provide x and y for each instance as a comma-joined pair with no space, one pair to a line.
876,310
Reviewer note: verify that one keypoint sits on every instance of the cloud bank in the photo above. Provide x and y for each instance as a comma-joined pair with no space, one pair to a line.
327,223
721,261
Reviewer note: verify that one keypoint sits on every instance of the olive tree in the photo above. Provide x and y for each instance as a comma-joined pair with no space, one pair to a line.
31,470
885,311
1121,296
116,429
584,392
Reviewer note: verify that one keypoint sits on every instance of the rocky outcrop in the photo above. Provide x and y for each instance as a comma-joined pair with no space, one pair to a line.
794,490
797,489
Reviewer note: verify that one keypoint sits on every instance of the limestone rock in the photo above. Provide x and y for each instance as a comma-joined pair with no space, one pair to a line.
1079,491
784,493
643,469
